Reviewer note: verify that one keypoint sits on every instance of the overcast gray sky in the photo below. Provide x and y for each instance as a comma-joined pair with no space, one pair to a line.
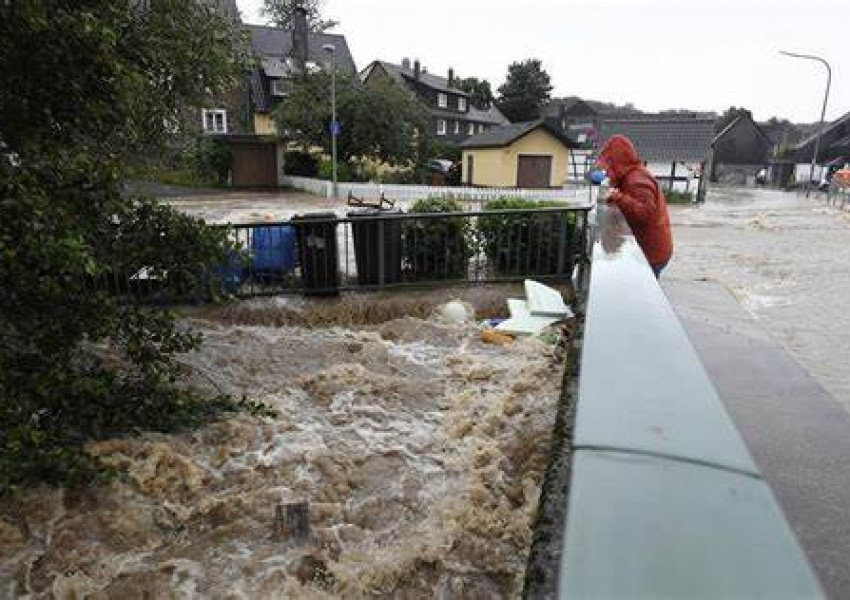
658,54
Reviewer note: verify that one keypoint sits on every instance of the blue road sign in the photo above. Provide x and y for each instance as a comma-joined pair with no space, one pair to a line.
335,128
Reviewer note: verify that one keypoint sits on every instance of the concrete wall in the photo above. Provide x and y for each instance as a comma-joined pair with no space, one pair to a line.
497,167
575,195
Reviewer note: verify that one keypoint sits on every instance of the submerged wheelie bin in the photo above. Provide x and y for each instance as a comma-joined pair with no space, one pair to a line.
318,253
377,246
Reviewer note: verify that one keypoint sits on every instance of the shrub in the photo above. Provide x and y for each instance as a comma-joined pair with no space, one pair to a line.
301,164
401,177
526,244
344,171
211,159
674,197
437,248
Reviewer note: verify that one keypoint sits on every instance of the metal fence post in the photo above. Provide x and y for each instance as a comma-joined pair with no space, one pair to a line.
562,244
382,241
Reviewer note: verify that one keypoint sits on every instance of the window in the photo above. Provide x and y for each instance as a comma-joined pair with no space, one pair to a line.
471,129
461,104
278,87
457,127
480,128
441,127
442,100
215,121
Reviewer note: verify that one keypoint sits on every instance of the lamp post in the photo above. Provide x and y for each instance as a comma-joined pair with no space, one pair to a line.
331,49
823,111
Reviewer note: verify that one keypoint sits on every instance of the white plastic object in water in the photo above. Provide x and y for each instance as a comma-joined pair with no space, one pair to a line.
522,322
545,301
456,312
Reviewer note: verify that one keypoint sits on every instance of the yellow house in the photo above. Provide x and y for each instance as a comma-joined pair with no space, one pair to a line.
526,155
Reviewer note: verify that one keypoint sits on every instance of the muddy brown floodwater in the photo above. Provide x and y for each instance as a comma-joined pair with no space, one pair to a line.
419,448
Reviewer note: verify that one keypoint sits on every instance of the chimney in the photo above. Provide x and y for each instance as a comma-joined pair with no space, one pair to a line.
417,69
405,64
299,37
451,77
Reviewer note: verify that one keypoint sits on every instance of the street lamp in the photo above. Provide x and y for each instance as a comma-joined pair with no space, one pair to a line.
331,49
823,111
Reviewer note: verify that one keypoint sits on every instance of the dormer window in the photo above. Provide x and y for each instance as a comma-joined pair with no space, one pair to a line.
457,127
442,127
471,129
461,104
278,87
443,100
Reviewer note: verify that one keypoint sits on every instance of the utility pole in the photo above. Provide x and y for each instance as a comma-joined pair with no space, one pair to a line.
823,111
331,49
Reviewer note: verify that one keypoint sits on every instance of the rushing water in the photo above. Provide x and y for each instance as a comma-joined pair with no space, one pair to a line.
784,257
419,448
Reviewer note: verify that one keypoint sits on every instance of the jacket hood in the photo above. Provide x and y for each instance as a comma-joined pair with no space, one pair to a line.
618,157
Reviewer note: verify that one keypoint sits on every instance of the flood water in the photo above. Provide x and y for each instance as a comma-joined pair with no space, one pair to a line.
787,261
419,449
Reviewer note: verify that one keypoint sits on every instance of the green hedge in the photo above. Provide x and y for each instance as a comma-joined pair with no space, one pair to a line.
528,244
437,249
301,164
679,197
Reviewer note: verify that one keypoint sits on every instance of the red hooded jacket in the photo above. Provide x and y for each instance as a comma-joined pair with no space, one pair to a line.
640,199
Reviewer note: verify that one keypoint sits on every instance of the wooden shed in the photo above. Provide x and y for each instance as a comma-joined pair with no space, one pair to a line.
534,154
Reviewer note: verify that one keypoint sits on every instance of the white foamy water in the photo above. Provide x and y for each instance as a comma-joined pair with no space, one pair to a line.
785,258
419,449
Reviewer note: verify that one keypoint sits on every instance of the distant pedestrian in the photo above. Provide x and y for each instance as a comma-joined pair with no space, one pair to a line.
638,195
761,176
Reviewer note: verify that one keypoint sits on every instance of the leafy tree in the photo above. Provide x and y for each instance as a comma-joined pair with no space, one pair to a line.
87,83
282,14
479,90
525,91
378,121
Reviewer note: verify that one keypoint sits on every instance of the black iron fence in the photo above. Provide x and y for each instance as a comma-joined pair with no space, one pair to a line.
323,254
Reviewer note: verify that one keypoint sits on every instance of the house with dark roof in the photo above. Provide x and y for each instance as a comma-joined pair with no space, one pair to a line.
833,149
740,149
535,154
576,118
280,54
453,118
676,150
283,54
243,117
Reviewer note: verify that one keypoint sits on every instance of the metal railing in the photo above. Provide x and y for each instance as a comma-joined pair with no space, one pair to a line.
323,254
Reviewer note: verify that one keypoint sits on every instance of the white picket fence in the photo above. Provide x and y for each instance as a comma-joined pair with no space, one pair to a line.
572,194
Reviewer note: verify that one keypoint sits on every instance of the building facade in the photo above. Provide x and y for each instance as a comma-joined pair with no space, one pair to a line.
525,155
453,118
740,150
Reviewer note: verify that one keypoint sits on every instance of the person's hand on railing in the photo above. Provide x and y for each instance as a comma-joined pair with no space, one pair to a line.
611,196
613,230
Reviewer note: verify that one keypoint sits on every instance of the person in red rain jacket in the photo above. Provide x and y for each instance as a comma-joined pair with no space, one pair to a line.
639,197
